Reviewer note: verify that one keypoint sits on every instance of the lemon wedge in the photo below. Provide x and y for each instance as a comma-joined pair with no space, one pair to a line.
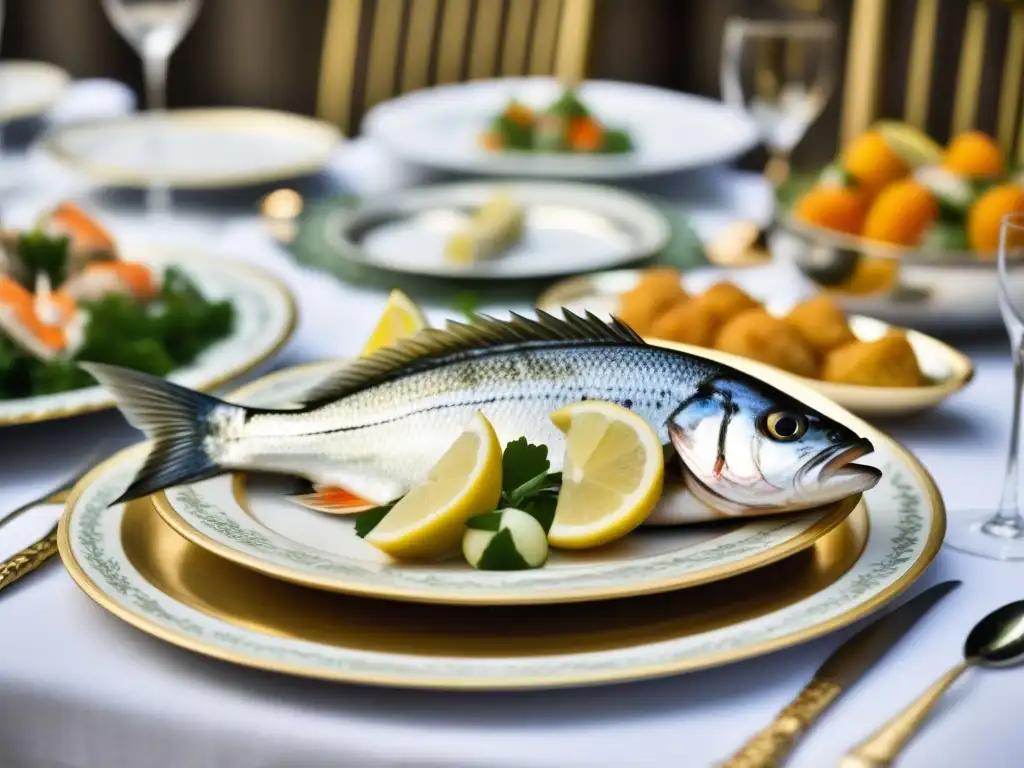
612,474
915,147
430,520
401,318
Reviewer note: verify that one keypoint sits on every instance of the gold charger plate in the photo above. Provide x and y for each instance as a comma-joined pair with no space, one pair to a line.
248,521
947,369
132,563
265,318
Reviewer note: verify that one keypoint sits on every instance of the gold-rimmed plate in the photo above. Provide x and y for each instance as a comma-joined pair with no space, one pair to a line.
265,318
198,148
946,369
128,560
250,521
29,88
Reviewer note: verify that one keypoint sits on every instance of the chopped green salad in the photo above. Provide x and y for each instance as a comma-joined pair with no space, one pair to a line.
566,126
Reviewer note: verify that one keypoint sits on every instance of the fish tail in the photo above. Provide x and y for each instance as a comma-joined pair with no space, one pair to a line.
177,420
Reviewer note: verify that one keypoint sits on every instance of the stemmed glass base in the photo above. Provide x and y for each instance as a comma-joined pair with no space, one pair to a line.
986,534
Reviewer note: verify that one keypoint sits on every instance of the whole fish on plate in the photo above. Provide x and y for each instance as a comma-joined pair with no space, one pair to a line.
373,429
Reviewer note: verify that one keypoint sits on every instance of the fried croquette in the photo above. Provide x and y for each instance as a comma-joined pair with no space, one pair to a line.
757,335
654,295
687,322
822,324
887,362
725,300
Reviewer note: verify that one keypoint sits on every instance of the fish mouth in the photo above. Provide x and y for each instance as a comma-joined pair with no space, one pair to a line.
838,460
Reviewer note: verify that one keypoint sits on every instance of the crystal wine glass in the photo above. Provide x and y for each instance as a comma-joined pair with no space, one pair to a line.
782,74
154,28
999,534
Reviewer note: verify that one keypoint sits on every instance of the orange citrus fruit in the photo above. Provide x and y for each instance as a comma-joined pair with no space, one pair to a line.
837,208
985,217
873,163
901,213
975,155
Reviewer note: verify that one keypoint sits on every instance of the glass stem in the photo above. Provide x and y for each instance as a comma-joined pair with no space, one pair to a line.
154,72
777,169
1007,522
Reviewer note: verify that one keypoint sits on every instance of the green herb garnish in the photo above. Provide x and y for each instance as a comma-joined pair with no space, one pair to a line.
368,520
46,254
466,303
526,482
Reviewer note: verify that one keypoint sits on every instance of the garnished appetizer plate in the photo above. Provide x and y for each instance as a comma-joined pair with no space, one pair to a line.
861,363
534,127
256,525
127,559
29,88
69,294
499,230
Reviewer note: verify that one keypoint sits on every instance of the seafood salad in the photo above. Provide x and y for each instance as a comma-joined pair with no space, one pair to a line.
67,295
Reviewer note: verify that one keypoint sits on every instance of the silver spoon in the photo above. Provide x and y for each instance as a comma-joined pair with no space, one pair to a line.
996,641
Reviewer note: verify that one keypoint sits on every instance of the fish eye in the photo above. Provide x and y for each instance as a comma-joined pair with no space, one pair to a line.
785,426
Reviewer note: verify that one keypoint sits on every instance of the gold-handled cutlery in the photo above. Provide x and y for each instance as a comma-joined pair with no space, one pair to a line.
33,556
29,559
996,641
838,673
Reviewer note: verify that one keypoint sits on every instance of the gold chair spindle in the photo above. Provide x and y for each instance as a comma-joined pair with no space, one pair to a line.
384,40
863,64
968,82
574,36
338,62
454,27
485,39
545,37
517,38
919,74
416,67
1009,96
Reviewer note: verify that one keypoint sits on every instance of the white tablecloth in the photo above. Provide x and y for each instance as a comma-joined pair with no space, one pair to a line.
80,689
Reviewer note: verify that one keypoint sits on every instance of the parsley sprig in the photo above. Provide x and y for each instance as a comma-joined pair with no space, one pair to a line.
526,484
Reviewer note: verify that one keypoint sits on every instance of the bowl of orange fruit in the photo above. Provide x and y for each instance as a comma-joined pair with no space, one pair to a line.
863,364
904,229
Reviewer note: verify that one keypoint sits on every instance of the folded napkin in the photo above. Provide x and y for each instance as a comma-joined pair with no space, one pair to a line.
312,246
92,99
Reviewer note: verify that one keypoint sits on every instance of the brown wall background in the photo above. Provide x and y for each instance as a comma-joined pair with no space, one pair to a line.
267,52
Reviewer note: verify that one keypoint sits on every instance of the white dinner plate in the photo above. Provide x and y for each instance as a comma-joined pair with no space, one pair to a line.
264,320
441,127
196,148
251,523
29,88
568,228
127,560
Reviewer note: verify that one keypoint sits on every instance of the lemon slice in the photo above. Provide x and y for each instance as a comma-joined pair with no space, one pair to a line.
914,147
430,520
401,318
612,474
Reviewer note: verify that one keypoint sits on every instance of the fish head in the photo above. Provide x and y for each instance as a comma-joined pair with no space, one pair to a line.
747,446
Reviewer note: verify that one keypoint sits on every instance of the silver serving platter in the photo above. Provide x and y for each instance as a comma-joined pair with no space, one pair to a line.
932,290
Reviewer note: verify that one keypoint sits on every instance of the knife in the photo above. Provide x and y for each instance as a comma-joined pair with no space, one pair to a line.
770,747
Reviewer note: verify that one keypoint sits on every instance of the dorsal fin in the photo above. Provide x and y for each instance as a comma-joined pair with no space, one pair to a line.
433,344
